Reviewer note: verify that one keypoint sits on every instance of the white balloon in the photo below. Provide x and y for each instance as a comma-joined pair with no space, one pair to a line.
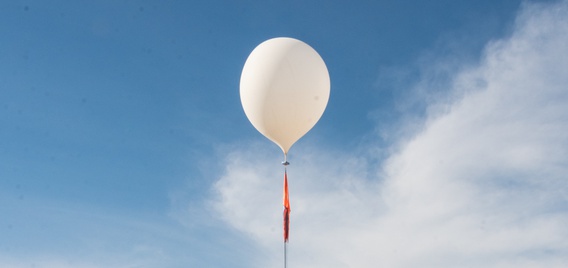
284,89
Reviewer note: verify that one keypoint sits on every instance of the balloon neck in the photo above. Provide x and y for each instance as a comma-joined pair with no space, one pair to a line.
285,162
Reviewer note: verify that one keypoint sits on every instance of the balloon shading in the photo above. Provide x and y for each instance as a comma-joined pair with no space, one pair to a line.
284,89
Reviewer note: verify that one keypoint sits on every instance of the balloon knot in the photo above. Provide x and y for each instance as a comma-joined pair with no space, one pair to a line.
285,163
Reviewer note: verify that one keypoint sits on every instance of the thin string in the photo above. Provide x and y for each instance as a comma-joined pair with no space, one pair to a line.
285,255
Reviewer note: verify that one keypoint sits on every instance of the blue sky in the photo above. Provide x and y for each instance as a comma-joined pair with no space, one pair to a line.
123,142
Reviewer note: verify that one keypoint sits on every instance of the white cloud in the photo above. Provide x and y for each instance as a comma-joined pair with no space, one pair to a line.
483,184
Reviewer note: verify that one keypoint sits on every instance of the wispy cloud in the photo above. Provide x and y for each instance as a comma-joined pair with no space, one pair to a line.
482,184
43,233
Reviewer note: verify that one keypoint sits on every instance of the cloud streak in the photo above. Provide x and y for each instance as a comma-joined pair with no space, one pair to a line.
482,184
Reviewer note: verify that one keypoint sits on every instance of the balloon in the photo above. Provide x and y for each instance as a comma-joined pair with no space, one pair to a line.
284,89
